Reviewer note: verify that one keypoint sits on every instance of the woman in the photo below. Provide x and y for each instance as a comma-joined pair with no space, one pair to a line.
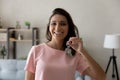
62,55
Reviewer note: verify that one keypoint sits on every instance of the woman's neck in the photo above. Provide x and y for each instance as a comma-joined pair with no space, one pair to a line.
56,45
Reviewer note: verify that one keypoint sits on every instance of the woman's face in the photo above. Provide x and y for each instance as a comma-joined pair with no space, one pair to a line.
58,27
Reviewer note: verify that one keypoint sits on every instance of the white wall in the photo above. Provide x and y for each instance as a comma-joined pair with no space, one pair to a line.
94,18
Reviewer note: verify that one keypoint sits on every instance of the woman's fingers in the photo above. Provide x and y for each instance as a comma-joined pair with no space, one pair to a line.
75,43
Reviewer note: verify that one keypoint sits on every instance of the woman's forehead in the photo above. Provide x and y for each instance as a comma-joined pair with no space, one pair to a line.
59,18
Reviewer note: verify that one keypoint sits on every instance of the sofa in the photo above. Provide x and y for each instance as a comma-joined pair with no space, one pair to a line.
11,69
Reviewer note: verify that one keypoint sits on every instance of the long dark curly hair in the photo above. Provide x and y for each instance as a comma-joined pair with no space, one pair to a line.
72,31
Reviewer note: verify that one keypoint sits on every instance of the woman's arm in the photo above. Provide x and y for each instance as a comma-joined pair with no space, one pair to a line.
94,70
29,75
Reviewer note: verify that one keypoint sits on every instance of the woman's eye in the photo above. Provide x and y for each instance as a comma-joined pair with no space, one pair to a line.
53,24
63,24
60,24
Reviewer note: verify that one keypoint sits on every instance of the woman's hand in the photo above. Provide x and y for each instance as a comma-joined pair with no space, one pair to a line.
94,70
76,43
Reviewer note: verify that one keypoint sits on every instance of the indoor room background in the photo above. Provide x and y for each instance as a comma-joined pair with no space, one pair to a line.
94,19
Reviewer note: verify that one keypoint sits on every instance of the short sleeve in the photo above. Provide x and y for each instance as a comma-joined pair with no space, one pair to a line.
30,63
82,65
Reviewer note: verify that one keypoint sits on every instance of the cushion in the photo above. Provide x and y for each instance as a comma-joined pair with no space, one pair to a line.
12,69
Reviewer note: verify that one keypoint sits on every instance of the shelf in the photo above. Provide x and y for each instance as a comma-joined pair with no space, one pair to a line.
3,30
2,42
20,30
15,40
3,35
24,40
12,33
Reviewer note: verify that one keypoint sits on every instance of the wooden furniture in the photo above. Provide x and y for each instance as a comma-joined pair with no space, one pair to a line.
2,37
14,36
3,41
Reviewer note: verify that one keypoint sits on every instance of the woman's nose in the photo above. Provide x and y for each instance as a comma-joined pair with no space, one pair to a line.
57,28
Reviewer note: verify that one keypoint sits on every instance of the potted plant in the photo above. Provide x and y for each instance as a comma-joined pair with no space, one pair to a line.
27,23
3,51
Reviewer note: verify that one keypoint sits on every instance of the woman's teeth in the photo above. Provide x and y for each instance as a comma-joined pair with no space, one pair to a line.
58,33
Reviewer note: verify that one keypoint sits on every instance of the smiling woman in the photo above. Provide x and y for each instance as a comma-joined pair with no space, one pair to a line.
58,27
49,61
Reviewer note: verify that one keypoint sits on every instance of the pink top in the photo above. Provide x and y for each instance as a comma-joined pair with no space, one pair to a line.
52,64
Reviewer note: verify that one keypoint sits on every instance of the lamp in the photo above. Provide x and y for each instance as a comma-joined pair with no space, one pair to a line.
112,42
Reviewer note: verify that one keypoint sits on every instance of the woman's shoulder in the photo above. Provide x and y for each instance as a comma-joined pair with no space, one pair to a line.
37,49
39,45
